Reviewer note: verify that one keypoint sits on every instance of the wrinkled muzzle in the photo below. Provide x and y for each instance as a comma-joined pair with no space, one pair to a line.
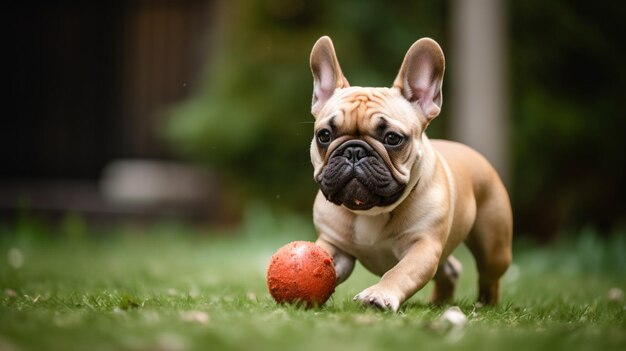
358,178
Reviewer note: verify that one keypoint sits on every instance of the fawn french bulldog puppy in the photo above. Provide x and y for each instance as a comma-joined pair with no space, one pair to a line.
393,199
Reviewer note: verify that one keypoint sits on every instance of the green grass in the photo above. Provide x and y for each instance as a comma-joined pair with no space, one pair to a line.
133,288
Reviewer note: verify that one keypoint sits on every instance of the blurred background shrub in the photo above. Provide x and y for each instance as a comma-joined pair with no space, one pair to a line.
250,117
567,77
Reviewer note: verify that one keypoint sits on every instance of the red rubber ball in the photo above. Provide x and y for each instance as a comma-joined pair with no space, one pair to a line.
301,273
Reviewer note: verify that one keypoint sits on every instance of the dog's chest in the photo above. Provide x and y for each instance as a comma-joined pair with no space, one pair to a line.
372,243
369,230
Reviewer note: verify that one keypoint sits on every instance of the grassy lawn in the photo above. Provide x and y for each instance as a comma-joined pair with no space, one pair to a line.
170,287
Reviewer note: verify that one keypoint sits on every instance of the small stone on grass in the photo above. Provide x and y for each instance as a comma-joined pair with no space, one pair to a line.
616,294
195,317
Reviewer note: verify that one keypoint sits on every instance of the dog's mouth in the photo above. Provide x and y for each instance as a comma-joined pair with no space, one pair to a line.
355,196
358,178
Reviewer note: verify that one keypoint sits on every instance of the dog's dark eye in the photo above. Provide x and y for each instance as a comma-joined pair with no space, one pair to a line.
324,136
393,139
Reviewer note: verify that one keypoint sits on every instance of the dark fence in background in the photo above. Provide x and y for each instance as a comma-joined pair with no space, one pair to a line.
86,81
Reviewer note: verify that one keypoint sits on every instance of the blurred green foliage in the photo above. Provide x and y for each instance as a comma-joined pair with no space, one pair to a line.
567,95
250,117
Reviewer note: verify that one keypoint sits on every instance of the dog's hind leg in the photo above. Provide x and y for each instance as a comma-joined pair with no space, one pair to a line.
490,243
445,280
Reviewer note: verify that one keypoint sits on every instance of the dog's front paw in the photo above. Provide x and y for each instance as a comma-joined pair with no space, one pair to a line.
379,297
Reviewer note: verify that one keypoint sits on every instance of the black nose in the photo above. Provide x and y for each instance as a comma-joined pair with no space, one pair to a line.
354,153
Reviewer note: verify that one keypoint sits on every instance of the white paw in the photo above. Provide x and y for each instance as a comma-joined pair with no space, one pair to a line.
379,297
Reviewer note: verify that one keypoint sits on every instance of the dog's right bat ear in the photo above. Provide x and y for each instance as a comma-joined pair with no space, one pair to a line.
327,75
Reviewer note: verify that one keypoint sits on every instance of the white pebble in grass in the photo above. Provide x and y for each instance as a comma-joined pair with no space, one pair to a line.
195,317
16,258
451,322
252,296
453,318
616,294
455,321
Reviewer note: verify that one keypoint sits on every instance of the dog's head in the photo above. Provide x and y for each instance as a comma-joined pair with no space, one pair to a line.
368,141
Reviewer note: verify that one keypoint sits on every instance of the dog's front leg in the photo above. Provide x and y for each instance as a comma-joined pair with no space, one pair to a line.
416,268
344,263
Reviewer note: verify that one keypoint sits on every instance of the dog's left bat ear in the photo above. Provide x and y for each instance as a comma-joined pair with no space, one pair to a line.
327,75
421,76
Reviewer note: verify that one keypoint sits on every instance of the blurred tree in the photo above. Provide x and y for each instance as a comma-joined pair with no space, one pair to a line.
568,94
